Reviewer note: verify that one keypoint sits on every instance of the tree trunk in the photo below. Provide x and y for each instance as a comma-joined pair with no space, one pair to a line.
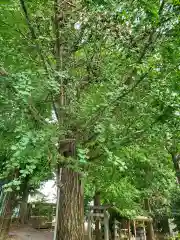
24,206
5,222
71,198
150,229
71,208
97,202
176,159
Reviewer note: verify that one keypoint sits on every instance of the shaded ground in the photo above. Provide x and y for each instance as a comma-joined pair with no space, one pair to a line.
31,234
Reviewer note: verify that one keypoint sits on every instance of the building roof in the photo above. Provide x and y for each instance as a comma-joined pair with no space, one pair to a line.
143,218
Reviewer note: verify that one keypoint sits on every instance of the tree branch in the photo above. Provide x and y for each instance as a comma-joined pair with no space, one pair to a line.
141,56
28,19
35,113
127,140
34,37
33,34
115,102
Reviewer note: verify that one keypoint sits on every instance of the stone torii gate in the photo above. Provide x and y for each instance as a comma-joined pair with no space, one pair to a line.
98,213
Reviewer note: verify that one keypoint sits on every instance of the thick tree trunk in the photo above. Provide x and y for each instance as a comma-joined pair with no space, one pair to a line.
5,222
71,209
24,206
150,229
97,202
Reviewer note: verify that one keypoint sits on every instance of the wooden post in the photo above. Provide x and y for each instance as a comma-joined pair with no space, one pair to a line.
129,230
144,229
89,227
116,235
150,229
106,225
134,225
97,203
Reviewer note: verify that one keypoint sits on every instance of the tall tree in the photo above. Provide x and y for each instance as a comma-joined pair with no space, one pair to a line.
101,68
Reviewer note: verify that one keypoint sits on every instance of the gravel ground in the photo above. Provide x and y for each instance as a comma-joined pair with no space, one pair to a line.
31,234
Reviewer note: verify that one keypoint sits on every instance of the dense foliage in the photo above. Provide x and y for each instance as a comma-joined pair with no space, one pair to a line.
117,66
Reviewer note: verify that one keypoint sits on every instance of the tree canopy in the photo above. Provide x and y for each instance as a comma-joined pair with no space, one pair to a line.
103,74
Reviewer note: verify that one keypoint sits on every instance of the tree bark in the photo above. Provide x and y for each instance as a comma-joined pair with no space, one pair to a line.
71,200
24,206
97,202
150,229
24,201
176,159
5,222
71,208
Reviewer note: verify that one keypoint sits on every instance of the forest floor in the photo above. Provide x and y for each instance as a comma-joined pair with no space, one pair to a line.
28,233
